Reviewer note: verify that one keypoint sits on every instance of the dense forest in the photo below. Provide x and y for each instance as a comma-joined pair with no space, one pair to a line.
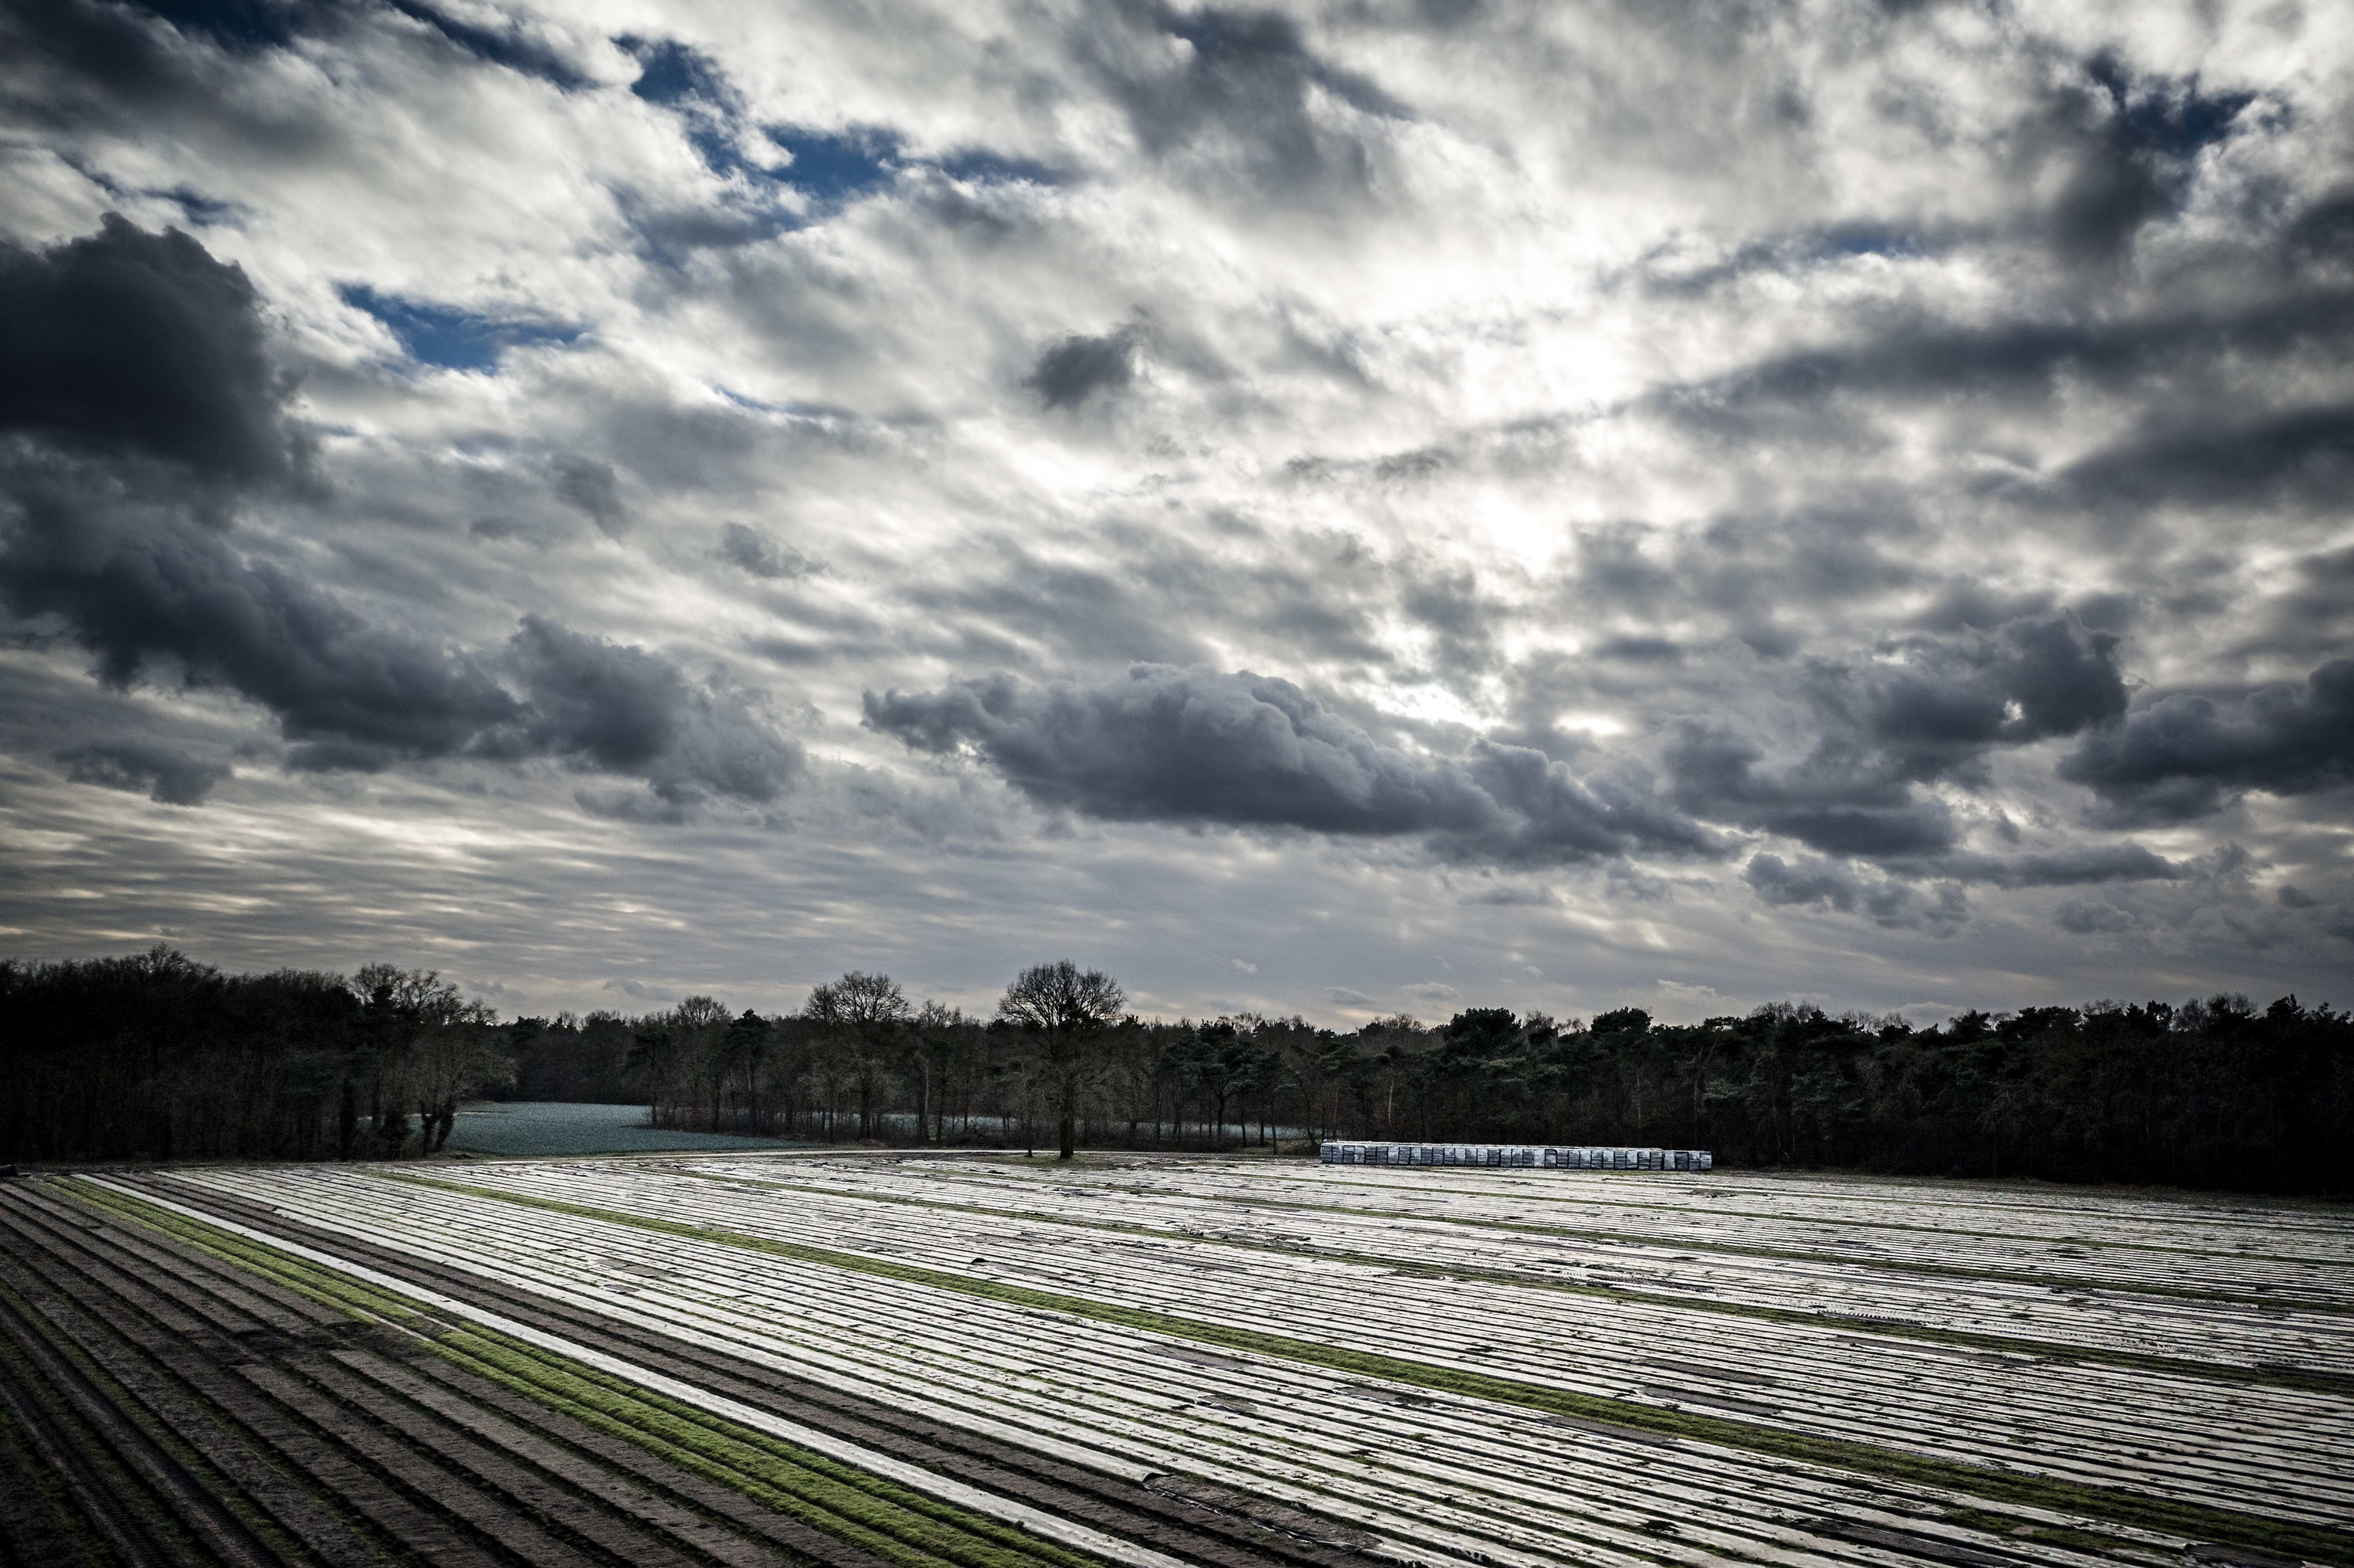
157,1056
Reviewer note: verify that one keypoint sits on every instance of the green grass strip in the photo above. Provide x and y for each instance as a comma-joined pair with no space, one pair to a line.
2043,1349
782,1486
305,1279
862,1506
895,1522
2114,1505
1795,1255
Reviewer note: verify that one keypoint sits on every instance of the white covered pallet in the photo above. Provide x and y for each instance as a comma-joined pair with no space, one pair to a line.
1546,1156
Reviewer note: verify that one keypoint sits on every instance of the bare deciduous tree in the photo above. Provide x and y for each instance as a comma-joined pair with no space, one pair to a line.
1065,1010
867,1011
431,1046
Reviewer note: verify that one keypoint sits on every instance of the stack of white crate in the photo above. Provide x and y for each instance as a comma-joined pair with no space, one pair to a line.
1539,1155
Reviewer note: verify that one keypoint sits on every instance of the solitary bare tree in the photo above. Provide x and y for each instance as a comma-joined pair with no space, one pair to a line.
937,1030
867,1013
1065,1009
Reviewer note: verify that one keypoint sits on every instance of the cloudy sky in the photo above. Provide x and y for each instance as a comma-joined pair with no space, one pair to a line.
1363,506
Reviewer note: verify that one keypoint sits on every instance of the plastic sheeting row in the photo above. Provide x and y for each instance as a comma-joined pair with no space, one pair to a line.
1542,1156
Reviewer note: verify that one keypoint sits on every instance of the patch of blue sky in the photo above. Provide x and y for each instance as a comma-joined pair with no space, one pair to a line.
829,168
835,167
243,27
2169,117
1825,245
671,73
750,404
1867,240
450,338
807,413
200,209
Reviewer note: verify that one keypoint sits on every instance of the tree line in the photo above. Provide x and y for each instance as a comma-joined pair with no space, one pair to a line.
157,1056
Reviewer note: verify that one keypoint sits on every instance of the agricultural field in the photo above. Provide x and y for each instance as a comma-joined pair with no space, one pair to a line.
974,1361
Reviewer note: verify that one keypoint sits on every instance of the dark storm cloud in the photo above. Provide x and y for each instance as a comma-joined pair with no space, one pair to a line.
189,66
1075,369
155,594
1840,798
142,341
2306,455
2025,357
75,59
162,772
2090,917
244,27
2313,617
618,708
139,409
594,489
1842,416
2322,234
622,710
2077,867
762,554
2124,149
2185,755
1242,91
150,591
1200,748
145,376
1811,882
1461,619
1761,577
1885,726
1953,698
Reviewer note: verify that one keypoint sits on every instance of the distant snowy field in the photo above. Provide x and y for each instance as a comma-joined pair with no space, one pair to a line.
554,1126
